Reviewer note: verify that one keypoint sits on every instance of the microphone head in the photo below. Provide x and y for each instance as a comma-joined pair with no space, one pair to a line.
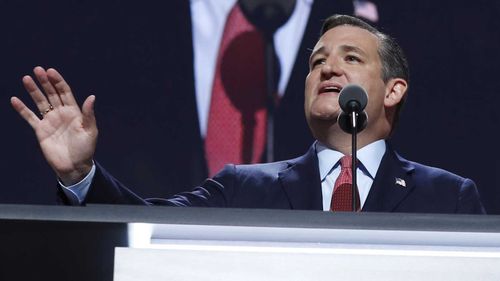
353,98
344,121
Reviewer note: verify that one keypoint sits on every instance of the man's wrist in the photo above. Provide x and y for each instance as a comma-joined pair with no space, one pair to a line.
76,193
76,175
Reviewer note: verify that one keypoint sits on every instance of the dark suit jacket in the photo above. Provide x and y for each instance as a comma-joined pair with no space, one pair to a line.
295,184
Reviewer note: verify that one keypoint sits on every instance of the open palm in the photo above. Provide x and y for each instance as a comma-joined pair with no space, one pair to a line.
67,135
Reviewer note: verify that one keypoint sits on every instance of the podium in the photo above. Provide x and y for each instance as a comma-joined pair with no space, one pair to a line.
104,242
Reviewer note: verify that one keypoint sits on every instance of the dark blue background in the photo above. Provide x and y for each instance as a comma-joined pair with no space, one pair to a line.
137,59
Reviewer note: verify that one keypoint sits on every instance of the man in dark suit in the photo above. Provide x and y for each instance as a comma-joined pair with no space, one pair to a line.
349,51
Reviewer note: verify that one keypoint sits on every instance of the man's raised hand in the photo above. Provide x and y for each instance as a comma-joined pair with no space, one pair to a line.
67,135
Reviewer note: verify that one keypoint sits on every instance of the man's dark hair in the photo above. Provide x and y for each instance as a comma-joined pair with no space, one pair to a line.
394,63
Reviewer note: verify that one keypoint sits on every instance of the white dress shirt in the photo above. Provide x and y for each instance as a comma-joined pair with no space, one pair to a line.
370,157
77,192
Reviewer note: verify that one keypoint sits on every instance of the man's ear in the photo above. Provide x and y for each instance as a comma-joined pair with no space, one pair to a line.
395,91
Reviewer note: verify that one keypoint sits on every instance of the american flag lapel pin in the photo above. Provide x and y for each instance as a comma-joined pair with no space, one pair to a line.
401,182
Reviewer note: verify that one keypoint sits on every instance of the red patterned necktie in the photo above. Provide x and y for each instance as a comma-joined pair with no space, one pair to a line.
237,116
342,191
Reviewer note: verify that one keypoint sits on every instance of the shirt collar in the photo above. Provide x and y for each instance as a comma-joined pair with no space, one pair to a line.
370,157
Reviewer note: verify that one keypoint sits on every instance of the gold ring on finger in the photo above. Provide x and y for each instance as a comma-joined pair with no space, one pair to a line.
43,113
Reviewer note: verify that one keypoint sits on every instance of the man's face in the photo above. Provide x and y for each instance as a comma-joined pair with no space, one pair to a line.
343,55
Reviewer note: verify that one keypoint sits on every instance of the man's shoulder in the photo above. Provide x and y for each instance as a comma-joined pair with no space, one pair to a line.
258,170
264,171
270,168
439,190
428,172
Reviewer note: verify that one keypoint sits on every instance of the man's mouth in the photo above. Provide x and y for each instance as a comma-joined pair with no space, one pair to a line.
330,88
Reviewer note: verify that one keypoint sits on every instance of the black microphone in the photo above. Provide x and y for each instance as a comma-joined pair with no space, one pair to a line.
353,100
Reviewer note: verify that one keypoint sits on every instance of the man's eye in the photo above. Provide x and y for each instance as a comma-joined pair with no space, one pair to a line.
318,62
351,58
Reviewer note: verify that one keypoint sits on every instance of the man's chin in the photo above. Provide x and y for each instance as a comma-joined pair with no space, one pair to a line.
323,123
325,117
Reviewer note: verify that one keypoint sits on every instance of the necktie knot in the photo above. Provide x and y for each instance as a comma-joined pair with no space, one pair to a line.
346,162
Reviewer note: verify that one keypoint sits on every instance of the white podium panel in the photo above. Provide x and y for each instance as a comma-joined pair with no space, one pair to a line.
218,252
219,263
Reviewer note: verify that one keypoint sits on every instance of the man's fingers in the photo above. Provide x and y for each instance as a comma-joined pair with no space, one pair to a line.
50,91
25,112
88,112
40,100
61,86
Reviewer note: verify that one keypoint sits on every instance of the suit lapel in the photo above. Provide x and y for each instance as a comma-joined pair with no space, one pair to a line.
392,183
301,182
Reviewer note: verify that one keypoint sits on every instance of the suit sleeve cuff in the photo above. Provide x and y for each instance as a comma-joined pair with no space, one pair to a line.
77,192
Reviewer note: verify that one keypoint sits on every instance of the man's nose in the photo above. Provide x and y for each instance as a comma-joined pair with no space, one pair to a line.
330,69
